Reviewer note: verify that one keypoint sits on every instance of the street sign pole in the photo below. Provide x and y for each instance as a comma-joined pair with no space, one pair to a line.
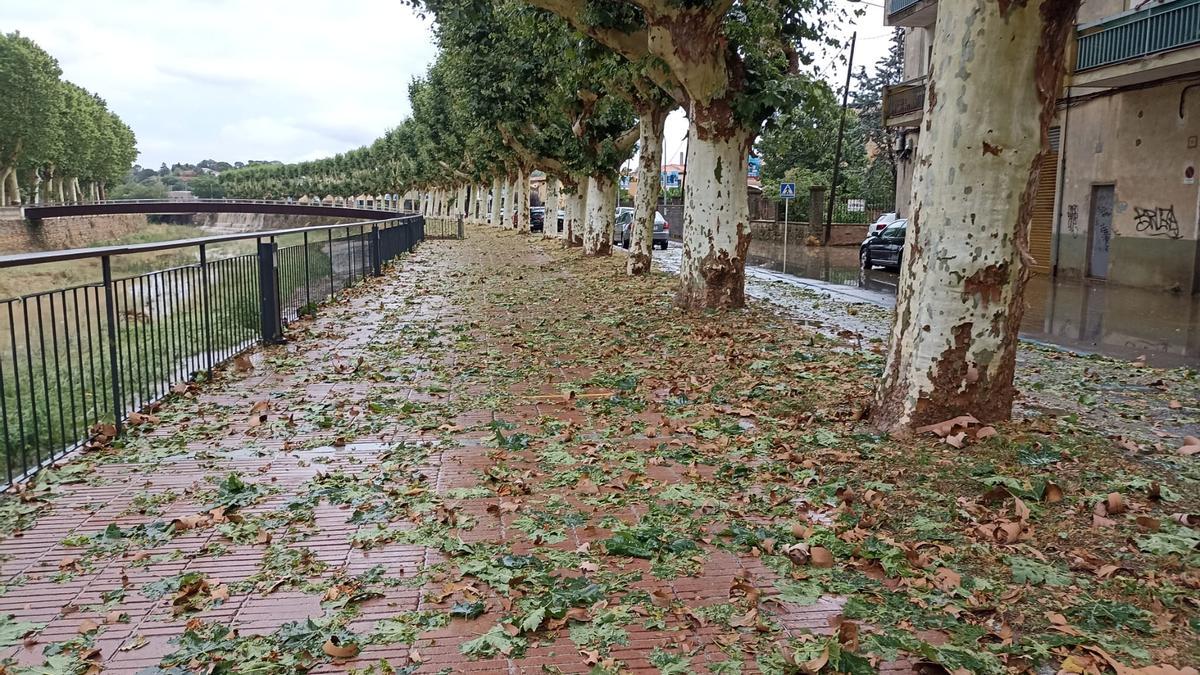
787,192
786,203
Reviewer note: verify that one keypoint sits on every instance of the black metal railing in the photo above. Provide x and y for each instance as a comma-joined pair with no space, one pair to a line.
75,360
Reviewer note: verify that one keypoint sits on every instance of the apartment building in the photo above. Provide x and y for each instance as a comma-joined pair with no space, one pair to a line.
1119,198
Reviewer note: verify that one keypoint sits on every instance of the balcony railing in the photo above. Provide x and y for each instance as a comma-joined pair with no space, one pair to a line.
904,98
1137,34
894,6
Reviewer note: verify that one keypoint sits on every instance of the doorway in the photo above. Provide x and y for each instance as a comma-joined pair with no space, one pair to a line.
1100,231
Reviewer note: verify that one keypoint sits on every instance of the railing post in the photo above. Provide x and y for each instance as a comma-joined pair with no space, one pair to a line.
376,253
268,296
307,279
204,302
110,312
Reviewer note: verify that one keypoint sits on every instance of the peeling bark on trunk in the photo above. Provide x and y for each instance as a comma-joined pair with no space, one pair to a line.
641,243
574,214
601,212
959,307
716,221
12,188
4,187
495,210
522,224
505,203
550,220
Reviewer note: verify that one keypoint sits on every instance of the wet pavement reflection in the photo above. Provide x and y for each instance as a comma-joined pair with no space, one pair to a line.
1083,316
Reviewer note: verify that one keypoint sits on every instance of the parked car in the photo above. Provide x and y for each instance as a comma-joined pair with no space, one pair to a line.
885,249
562,215
537,218
622,232
879,225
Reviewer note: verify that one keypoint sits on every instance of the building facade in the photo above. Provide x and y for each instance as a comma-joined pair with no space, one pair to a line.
1119,198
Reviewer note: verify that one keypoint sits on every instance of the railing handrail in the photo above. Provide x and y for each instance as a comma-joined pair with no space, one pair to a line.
40,257
919,80
214,200
1132,16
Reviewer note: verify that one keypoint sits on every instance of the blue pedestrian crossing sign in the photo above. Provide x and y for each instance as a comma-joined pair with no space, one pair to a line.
787,190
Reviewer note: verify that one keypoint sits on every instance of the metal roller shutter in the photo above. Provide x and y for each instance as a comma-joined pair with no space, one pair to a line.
1042,225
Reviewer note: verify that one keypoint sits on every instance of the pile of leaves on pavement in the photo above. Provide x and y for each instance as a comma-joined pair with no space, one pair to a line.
651,489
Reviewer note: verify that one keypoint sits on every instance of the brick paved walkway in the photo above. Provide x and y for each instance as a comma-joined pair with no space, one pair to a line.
416,449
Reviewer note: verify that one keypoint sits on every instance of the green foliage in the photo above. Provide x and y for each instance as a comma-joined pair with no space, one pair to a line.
233,493
1110,615
495,641
1027,570
54,133
12,632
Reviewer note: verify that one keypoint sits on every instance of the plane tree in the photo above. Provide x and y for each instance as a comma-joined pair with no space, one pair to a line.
996,74
547,95
730,65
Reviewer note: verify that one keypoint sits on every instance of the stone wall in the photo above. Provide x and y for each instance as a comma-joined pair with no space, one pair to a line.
769,230
254,222
840,235
18,236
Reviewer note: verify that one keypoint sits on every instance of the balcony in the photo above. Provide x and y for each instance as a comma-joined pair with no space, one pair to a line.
1114,51
911,13
904,103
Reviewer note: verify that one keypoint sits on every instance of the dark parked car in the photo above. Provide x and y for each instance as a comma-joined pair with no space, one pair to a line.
537,218
885,249
622,233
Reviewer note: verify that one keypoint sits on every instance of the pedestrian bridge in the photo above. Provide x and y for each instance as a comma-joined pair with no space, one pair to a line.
358,209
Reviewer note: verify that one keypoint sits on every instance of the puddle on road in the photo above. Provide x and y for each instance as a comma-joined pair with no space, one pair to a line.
1092,317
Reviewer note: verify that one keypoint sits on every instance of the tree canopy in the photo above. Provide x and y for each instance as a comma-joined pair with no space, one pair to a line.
54,135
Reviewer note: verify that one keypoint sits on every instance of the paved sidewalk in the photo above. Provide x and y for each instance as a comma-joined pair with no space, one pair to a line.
501,457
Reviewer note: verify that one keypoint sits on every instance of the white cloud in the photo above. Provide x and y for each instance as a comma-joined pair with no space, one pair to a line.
237,80
268,79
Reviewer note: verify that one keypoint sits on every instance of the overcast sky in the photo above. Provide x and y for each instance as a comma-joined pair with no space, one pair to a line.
261,79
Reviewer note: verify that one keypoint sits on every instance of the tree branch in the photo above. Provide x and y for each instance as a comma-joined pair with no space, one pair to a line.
626,141
632,46
548,164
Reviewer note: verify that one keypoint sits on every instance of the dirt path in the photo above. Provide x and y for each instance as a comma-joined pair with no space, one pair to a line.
502,457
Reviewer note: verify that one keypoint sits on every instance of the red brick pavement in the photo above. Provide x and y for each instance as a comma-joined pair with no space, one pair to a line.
209,434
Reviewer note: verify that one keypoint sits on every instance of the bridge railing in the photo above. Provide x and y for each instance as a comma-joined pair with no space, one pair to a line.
375,205
79,363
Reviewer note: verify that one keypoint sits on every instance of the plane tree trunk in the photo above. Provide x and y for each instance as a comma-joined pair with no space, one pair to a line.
495,205
522,200
550,221
652,120
997,71
716,217
601,214
574,210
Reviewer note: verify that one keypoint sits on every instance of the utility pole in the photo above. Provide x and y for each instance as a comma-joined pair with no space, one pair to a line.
837,155
687,140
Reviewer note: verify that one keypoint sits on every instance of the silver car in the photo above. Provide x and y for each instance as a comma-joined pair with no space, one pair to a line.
623,233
